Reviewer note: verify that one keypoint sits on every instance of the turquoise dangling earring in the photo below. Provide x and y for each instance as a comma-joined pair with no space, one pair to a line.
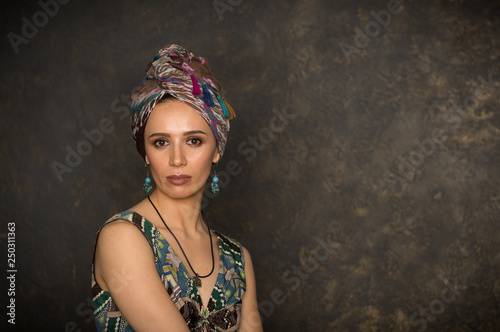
147,182
215,184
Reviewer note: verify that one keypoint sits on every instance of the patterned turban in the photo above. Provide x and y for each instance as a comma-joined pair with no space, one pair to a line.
179,73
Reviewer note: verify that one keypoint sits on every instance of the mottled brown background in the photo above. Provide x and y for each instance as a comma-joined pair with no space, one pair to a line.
333,173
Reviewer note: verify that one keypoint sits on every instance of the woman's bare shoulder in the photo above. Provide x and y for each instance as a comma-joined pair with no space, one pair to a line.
120,238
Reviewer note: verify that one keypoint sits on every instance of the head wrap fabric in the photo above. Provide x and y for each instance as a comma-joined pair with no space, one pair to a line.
177,72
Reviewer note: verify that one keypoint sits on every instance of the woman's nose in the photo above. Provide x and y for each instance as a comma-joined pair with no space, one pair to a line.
177,158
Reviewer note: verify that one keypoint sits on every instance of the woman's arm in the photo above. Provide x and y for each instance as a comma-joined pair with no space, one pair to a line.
124,265
250,317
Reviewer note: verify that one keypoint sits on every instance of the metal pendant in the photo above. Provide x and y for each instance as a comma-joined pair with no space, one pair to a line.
197,281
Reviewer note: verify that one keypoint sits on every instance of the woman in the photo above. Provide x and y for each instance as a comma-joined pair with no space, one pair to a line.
158,266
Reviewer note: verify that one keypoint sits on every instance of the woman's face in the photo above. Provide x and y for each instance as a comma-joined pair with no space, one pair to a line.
180,148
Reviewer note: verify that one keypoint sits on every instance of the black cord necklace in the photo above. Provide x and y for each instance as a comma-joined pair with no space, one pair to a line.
196,278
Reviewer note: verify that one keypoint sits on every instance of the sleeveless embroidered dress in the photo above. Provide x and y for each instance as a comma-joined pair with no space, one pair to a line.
223,311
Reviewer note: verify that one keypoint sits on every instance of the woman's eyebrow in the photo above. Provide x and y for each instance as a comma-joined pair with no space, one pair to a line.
187,133
159,134
194,132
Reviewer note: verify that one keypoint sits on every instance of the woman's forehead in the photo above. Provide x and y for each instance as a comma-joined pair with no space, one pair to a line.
176,116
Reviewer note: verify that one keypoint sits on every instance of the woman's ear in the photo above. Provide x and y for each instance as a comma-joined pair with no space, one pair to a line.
146,160
216,156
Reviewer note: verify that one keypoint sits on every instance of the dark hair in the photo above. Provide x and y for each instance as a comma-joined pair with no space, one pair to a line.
166,98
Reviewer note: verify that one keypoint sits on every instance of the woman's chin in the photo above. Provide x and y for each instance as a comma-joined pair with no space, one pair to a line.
181,192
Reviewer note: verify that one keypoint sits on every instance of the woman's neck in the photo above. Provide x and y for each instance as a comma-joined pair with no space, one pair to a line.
180,215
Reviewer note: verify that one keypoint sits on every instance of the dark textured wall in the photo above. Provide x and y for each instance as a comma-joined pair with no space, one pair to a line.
371,205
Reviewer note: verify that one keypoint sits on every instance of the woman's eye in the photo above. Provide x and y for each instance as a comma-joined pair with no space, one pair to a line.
160,142
194,141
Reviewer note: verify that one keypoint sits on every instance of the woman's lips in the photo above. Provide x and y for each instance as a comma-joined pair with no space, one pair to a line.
178,179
